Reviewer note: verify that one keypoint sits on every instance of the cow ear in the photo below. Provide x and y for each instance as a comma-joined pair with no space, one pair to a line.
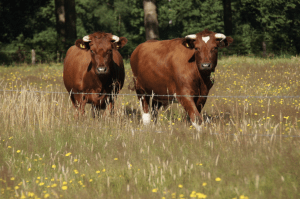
188,43
81,44
121,43
226,42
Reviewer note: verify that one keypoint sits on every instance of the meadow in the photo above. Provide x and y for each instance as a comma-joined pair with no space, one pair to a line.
250,149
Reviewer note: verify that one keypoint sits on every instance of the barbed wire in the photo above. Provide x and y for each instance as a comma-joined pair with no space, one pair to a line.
233,134
153,95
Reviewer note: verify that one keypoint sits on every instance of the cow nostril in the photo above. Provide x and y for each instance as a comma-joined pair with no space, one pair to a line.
206,65
101,69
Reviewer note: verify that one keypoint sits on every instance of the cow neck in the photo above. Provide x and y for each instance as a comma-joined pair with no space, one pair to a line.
204,75
102,82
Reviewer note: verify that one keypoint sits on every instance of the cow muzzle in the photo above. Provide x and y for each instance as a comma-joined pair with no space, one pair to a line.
102,70
205,66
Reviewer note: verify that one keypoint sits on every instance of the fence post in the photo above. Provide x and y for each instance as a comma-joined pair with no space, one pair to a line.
57,56
264,47
32,56
61,58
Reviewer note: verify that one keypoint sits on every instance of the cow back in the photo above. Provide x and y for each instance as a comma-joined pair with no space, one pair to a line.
160,66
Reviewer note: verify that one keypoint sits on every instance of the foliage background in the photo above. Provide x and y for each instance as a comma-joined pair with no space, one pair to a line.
276,22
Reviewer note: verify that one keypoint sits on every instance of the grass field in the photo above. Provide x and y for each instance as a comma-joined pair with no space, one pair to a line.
251,149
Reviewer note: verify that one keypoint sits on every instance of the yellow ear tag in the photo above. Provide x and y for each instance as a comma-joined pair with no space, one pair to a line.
82,46
118,46
187,45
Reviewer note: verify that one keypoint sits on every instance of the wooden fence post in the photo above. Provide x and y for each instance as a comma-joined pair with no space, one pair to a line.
57,56
264,48
32,56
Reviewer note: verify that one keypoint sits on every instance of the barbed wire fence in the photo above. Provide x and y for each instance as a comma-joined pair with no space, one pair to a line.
173,97
154,95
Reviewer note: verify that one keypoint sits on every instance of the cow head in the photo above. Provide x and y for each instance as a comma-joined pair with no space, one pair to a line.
101,47
206,45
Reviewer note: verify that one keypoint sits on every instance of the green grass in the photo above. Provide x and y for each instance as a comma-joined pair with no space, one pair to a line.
251,149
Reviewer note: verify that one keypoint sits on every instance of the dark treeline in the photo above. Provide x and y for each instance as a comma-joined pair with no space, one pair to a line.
259,27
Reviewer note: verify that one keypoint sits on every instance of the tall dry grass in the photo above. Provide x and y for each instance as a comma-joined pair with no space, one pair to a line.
249,150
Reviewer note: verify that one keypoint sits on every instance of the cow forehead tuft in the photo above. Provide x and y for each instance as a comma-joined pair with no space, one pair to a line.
101,35
205,33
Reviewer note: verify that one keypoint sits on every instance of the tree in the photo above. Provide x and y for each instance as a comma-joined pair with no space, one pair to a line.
42,23
178,18
227,17
70,15
150,19
16,18
293,15
65,23
273,25
60,21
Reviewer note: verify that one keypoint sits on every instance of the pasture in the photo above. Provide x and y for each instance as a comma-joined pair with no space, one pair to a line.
251,149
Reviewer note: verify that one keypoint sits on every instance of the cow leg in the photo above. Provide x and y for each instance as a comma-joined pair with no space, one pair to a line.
95,110
189,105
75,104
79,102
200,103
110,106
155,107
144,102
144,105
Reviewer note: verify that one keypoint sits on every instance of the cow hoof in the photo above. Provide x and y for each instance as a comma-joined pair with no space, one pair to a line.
208,120
197,126
146,118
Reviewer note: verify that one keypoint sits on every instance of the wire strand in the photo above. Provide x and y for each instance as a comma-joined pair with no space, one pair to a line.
155,95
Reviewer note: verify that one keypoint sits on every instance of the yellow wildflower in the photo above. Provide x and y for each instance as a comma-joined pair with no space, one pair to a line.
201,195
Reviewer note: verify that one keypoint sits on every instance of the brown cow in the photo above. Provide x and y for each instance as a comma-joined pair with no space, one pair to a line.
94,65
179,66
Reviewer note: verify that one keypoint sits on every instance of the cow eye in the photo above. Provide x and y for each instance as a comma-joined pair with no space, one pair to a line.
197,49
92,51
214,49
